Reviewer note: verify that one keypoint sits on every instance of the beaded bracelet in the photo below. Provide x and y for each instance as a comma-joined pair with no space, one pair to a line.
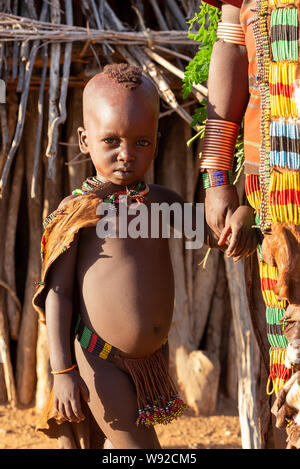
216,178
63,371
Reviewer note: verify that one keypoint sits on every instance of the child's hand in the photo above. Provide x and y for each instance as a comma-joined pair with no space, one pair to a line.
68,387
238,234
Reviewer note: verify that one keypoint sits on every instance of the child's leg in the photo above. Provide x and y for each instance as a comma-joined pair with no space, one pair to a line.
82,435
113,402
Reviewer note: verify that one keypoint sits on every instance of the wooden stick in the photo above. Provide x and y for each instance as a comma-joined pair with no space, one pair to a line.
22,107
52,196
173,52
5,357
76,162
35,31
2,47
100,25
198,90
40,121
148,66
4,128
31,8
112,17
13,304
160,19
4,288
24,52
60,119
177,14
12,293
16,48
96,14
244,338
163,25
27,340
53,91
170,111
164,90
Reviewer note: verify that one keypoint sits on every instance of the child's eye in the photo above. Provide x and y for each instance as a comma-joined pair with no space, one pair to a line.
111,141
143,143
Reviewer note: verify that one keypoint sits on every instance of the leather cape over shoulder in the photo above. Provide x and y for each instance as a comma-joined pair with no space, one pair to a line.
61,227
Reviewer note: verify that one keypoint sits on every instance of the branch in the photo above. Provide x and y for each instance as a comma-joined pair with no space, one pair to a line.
40,122
22,107
198,90
60,119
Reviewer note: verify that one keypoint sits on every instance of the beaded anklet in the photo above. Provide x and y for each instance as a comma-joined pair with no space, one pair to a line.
216,178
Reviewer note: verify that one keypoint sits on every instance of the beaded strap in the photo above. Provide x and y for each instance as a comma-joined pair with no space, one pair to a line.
260,32
92,342
216,178
284,34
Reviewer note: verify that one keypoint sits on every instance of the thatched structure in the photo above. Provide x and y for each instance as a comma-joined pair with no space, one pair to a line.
48,51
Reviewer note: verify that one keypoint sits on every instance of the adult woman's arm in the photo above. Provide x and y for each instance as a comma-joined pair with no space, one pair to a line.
228,95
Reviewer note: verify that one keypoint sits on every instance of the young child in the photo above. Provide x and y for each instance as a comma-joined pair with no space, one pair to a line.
119,291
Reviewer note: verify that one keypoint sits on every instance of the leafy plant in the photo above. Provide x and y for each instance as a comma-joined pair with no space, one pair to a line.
206,20
197,70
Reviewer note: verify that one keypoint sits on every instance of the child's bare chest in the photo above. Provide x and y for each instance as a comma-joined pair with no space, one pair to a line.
127,282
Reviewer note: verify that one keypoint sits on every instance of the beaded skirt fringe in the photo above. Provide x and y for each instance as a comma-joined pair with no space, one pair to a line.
157,398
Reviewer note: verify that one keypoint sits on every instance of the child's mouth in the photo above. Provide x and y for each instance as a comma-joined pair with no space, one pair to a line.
123,173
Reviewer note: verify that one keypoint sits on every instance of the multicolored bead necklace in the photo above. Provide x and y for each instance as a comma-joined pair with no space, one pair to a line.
135,191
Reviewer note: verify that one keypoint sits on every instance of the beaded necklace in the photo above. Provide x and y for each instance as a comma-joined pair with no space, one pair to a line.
260,32
136,191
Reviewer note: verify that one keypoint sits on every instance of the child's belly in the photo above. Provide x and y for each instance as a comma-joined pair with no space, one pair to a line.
126,291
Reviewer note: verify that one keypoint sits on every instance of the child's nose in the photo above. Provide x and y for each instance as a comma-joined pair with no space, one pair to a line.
126,153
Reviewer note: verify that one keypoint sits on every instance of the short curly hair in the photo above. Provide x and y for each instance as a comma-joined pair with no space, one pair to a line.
125,74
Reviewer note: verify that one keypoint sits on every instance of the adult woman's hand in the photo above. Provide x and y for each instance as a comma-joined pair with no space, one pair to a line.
220,204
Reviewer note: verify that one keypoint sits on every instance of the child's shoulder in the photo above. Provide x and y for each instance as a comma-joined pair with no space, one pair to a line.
66,200
161,194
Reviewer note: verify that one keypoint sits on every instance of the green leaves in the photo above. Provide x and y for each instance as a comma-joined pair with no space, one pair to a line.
197,70
206,20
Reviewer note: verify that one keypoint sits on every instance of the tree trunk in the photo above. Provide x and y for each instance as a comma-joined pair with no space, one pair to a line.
9,255
26,354
244,339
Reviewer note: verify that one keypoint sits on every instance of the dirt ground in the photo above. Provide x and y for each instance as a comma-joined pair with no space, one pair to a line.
220,431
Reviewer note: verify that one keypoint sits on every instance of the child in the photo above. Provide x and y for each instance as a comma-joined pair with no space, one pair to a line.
119,291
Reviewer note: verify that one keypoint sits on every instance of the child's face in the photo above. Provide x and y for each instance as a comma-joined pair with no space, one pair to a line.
120,133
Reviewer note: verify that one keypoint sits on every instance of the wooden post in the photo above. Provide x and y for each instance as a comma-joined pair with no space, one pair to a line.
244,339
26,353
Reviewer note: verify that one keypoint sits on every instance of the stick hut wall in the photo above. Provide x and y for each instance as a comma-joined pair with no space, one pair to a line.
48,51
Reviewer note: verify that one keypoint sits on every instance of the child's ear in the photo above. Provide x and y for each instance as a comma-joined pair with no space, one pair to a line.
82,140
157,143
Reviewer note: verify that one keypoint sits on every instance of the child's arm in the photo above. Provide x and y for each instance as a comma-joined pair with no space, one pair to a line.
67,386
238,233
194,222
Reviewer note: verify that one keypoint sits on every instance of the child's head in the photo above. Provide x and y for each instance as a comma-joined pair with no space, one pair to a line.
120,115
